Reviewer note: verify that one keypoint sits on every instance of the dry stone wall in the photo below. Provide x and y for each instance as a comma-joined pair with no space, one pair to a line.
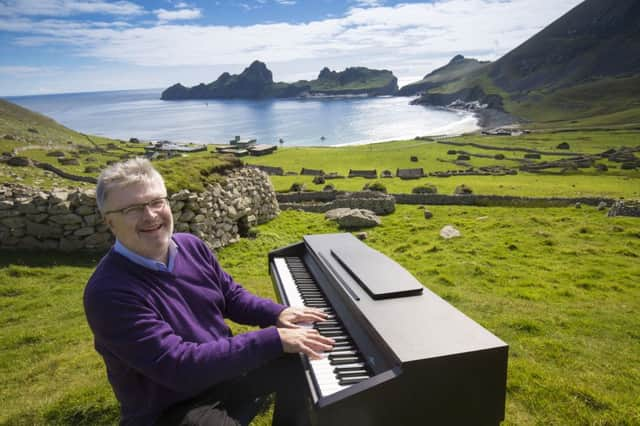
69,220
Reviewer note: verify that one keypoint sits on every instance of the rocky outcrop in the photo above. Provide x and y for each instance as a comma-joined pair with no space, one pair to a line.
472,94
353,218
69,220
256,82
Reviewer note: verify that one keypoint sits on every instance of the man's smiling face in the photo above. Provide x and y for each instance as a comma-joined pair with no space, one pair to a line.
146,231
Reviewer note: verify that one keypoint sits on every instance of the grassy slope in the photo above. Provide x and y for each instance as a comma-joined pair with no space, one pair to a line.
559,285
371,82
450,72
89,151
391,155
611,101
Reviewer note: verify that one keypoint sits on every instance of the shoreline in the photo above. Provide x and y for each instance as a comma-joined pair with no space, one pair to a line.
489,118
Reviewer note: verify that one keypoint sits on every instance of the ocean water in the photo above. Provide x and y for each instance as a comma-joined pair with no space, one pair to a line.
298,122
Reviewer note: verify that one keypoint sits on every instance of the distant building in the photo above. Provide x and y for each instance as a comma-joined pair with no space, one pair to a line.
171,149
242,143
369,174
261,149
410,173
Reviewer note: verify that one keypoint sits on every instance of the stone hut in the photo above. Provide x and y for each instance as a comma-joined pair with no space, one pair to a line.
410,173
311,172
369,174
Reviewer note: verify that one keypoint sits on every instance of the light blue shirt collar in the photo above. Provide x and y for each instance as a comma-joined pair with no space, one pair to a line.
145,261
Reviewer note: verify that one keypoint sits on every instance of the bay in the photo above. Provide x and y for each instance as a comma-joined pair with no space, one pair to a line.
298,122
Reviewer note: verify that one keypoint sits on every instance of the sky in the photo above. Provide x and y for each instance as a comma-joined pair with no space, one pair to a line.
65,46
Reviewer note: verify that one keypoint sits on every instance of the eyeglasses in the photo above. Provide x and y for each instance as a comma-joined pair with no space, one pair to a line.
137,210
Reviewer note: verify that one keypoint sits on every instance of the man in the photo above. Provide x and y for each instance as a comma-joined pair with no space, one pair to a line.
156,305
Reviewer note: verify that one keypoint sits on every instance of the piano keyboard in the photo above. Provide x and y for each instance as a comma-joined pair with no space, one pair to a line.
341,367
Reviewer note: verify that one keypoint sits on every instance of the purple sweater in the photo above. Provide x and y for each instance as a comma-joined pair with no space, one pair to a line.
162,334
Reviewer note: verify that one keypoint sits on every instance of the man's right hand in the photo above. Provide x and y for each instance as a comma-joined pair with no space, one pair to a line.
305,340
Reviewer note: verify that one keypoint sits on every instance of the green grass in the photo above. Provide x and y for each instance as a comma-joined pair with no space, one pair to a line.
433,156
561,286
610,101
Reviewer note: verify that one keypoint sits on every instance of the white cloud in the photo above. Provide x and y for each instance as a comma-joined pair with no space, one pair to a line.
368,3
67,7
286,2
176,15
409,39
19,70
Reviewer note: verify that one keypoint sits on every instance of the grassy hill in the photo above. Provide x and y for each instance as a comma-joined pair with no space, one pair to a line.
28,134
582,70
459,67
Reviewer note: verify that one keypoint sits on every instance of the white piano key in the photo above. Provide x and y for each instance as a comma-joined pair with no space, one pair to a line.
322,370
288,284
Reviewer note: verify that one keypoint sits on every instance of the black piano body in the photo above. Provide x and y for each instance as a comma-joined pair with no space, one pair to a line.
429,363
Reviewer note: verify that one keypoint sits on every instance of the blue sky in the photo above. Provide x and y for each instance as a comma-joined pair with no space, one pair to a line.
58,46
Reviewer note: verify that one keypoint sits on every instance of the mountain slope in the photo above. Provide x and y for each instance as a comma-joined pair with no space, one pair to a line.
581,69
457,68
598,38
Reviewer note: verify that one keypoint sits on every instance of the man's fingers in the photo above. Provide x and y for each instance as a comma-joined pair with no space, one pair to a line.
313,316
310,352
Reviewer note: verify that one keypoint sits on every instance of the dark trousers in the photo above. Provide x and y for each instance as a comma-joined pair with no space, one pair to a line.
237,401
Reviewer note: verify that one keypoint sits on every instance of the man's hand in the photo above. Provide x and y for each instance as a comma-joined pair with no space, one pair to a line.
290,317
305,340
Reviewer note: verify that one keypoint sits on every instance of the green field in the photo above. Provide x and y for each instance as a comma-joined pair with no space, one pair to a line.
432,156
560,285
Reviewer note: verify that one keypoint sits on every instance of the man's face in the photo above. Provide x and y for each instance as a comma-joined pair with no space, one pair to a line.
145,231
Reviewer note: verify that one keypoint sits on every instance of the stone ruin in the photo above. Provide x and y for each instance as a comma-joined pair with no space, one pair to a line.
68,220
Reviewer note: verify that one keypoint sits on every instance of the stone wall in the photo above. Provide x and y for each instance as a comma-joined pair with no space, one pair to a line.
68,220
625,208
322,201
498,200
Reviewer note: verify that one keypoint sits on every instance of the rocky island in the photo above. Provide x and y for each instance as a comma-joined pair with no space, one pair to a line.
256,82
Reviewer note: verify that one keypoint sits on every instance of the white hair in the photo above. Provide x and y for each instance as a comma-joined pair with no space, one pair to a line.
122,174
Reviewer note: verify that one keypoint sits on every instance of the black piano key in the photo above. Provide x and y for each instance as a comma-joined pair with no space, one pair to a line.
343,353
354,373
338,344
352,380
343,348
332,334
343,368
345,360
339,356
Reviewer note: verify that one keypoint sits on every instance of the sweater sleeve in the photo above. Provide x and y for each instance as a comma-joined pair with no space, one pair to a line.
242,306
129,328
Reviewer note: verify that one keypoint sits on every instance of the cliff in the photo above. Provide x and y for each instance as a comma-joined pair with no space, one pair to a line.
256,82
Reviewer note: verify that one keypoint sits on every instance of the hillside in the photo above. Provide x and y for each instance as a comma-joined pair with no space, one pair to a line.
256,82
457,68
581,70
22,125
36,150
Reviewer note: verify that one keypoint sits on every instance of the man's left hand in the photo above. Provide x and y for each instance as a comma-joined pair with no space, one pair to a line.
290,317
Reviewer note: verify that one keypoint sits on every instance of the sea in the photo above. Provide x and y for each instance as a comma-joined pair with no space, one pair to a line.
336,121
